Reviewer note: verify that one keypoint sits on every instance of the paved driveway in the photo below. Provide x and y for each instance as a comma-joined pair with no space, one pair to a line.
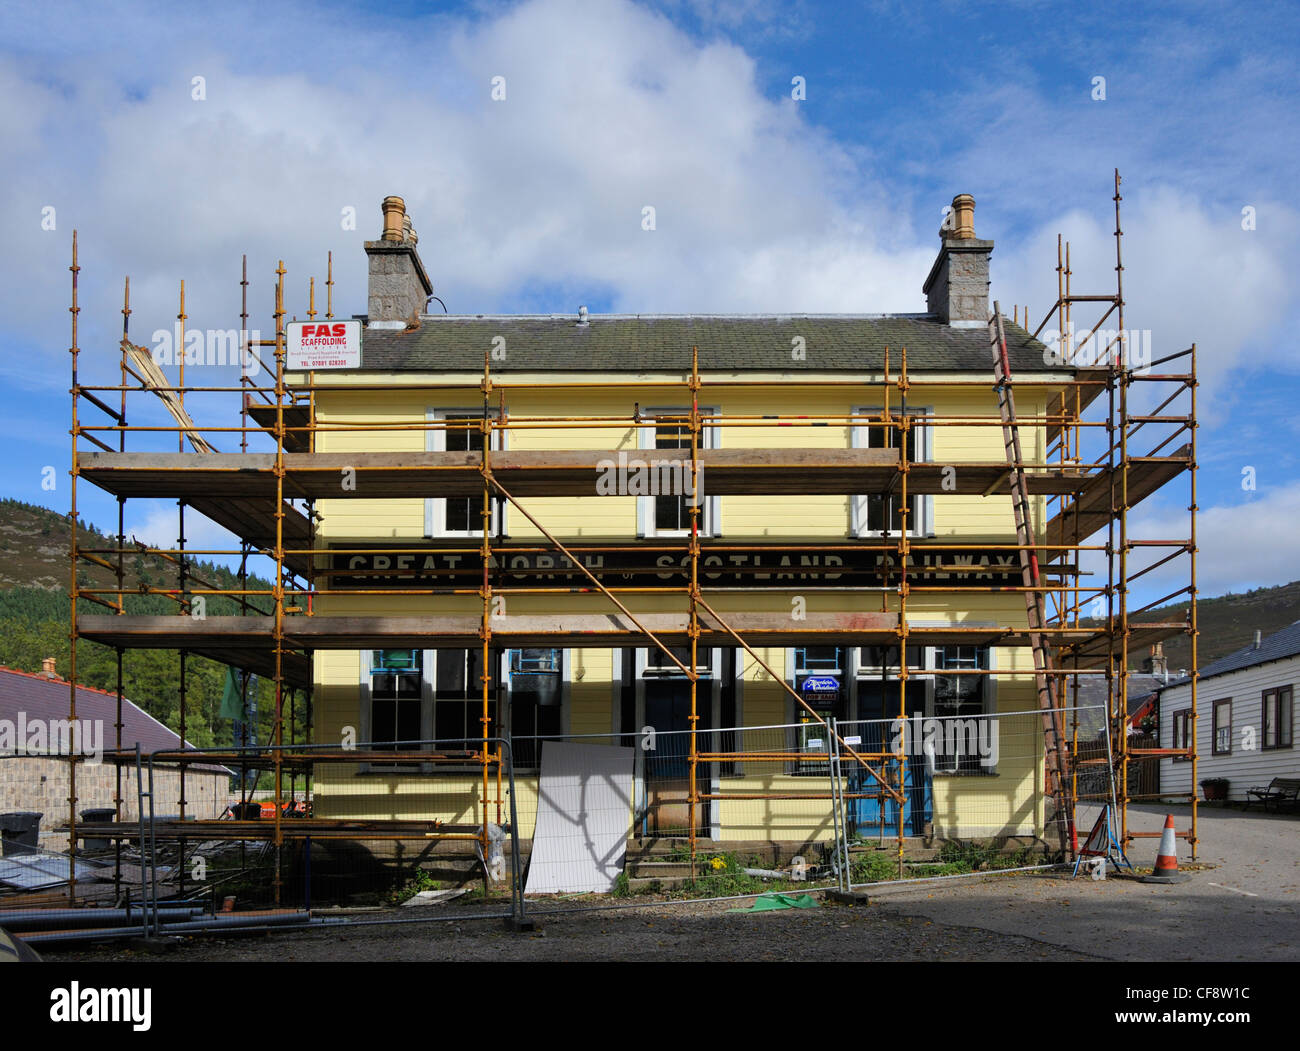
1245,908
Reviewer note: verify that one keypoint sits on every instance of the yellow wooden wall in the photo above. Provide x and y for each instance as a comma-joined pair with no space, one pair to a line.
1008,803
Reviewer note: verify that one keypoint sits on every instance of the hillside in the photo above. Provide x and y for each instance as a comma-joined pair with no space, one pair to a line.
1229,622
34,609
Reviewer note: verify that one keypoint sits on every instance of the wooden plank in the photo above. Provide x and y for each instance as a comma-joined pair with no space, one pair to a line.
238,636
1144,478
396,475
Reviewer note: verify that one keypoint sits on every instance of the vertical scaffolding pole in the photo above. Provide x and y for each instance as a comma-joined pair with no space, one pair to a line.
278,588
485,632
904,553
1122,379
693,627
1192,611
75,351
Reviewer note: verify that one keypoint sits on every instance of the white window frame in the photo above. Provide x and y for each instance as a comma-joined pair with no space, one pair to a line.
435,508
711,506
860,436
366,720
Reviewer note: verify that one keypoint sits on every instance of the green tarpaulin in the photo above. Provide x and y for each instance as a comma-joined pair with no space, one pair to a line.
232,702
772,902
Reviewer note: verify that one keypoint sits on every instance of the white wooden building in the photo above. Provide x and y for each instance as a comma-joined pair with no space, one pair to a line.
1244,730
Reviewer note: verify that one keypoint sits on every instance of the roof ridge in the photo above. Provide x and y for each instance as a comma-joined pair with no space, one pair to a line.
60,681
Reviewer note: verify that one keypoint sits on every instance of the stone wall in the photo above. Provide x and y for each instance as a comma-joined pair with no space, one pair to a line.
40,784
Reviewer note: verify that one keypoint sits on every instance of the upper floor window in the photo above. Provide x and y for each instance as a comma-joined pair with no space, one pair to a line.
881,514
667,491
459,515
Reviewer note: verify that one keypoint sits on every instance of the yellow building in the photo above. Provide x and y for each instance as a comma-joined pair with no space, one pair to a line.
828,449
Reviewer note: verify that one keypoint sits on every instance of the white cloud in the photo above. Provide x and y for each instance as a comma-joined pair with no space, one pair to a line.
1239,546
157,525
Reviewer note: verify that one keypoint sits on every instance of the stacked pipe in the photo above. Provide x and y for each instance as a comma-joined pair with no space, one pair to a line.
49,926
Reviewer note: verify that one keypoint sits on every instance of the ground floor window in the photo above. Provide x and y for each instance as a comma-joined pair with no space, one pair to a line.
1276,721
960,700
396,699
536,696
1222,727
1182,737
437,695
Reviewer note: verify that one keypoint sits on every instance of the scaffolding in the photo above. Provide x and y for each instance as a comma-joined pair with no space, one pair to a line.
1090,478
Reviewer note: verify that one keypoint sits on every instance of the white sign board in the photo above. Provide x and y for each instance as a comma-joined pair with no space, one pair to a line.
584,817
326,344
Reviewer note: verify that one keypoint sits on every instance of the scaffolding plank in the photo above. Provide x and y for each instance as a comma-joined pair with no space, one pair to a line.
1094,502
394,475
236,637
294,416
1092,652
254,521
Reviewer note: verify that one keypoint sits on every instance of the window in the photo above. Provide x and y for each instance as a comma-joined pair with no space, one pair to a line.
458,697
881,514
1182,738
875,658
657,662
396,699
1276,720
818,680
665,486
1222,727
535,702
459,515
411,696
963,745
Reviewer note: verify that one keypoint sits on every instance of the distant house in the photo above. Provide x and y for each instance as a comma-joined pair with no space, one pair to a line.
34,720
1245,725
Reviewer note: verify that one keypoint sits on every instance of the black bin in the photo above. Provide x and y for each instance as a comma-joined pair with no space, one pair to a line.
97,816
20,833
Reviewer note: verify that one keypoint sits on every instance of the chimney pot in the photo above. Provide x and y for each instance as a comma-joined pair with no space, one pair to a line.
1259,638
394,218
961,223
47,668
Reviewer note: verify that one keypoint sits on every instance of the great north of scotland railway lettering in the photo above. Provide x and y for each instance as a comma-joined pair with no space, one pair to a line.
719,566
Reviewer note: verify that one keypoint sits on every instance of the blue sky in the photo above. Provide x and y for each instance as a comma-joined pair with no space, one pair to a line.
763,203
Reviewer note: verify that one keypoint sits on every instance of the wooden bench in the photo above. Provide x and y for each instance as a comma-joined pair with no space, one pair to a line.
1280,790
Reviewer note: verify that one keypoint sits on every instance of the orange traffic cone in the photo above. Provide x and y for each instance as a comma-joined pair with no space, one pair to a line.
1166,870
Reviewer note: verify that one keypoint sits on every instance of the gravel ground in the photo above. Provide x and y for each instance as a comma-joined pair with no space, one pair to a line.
683,932
1242,903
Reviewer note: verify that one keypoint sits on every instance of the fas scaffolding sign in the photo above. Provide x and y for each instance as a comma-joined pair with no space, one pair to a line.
322,345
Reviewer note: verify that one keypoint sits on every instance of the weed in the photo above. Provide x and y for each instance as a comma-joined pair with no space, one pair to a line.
622,886
420,881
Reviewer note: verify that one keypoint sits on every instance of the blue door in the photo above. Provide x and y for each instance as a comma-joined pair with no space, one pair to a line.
877,816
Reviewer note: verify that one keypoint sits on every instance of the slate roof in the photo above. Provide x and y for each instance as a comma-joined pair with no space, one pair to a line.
640,343
1092,691
40,697
1286,643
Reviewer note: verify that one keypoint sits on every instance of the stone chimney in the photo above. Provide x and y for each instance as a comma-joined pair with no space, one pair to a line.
957,290
1157,664
47,668
399,287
